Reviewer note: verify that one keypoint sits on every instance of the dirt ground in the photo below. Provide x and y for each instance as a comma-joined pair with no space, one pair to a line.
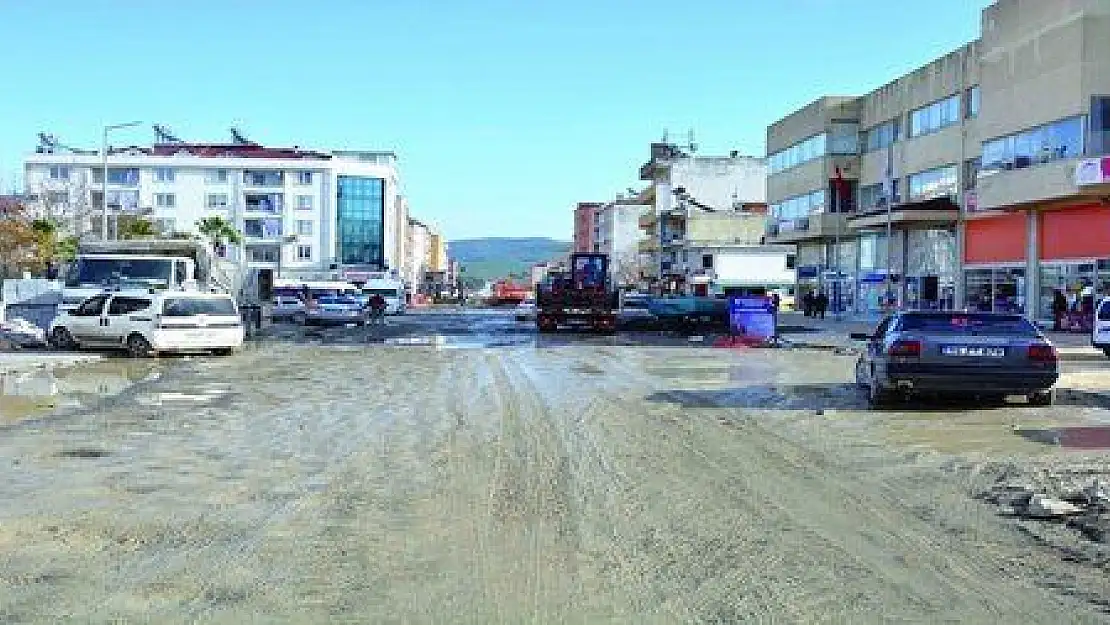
341,477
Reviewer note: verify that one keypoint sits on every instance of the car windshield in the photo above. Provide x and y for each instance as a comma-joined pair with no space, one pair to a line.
382,292
97,271
959,323
337,299
188,306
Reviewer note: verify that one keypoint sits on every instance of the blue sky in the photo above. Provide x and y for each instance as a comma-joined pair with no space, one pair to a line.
504,113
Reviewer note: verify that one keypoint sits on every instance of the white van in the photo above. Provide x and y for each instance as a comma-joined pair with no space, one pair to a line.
1100,329
393,291
146,322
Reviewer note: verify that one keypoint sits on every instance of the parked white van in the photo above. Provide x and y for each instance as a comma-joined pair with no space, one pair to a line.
145,323
1100,329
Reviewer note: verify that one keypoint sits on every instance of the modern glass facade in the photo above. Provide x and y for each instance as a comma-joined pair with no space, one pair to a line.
360,221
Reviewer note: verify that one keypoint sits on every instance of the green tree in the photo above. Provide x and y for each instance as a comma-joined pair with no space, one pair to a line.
136,228
218,231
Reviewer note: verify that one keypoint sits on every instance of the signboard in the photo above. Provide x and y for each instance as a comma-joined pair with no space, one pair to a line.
1091,171
752,318
808,272
590,270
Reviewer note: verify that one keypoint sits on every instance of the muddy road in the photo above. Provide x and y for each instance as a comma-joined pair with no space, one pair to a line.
458,469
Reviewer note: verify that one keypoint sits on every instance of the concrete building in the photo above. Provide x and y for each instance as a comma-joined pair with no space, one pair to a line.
978,162
697,201
586,227
419,253
619,236
301,212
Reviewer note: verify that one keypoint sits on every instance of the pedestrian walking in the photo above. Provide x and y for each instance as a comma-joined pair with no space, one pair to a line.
377,308
807,304
1059,310
822,304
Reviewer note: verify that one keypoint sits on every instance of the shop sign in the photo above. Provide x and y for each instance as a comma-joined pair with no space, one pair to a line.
808,272
1090,171
752,318
873,277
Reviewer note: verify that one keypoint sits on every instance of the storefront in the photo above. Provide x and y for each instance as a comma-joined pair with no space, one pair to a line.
1074,246
931,269
994,263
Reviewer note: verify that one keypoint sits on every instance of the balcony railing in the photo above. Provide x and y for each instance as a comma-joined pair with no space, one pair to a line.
263,178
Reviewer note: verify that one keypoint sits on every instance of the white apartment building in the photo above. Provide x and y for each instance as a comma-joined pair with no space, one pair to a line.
618,234
419,254
301,212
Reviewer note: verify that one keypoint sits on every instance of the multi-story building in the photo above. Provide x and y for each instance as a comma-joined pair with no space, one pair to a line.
619,236
697,201
419,252
586,227
975,164
401,217
436,276
301,212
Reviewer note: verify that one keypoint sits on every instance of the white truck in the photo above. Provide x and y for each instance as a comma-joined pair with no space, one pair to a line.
392,289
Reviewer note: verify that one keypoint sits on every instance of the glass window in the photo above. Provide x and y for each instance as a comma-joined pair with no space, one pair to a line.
165,200
940,182
126,305
262,228
802,152
164,174
265,202
304,177
215,200
215,176
59,172
935,116
189,306
360,216
1051,142
91,307
881,136
127,176
971,172
304,252
263,178
972,106
843,138
304,227
304,202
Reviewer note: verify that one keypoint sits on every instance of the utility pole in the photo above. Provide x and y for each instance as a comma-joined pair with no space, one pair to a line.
889,224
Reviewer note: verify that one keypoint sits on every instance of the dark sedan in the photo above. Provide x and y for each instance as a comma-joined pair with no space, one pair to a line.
957,353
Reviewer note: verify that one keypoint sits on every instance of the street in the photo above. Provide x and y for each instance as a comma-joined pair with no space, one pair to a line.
457,468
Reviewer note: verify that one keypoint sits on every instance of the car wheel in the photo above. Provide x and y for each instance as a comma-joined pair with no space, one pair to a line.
1043,398
877,397
1106,351
62,339
138,346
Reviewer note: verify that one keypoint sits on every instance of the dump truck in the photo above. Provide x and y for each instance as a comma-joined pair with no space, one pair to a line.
582,297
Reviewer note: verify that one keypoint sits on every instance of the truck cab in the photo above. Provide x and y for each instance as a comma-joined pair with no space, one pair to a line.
91,274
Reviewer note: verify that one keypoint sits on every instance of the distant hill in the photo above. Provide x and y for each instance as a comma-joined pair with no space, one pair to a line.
492,258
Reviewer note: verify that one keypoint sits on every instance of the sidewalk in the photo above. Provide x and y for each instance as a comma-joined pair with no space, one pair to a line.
833,333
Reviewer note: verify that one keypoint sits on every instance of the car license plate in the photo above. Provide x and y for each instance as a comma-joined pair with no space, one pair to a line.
972,351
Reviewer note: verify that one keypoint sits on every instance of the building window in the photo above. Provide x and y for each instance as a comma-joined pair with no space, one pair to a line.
706,261
304,177
164,174
800,206
215,201
882,136
264,254
971,172
165,200
267,228
360,217
263,178
304,227
791,261
125,176
59,172
304,252
803,152
844,138
971,105
272,203
304,202
1100,125
216,176
934,117
166,225
1051,142
935,183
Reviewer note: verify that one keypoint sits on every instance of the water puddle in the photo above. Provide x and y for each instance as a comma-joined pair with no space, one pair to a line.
1088,438
463,341
35,392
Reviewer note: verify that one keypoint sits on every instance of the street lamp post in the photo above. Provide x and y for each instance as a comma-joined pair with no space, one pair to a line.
104,179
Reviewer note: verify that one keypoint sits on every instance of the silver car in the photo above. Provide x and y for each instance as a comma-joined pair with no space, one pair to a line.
974,354
336,310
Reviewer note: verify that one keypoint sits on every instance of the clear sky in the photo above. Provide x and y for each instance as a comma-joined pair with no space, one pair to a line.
504,113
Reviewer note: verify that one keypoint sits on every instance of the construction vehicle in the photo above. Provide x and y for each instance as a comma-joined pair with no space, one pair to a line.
584,297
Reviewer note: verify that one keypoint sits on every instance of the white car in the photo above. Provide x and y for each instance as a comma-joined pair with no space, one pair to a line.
288,308
1100,328
146,323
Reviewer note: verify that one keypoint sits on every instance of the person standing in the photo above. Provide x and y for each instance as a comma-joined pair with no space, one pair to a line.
822,304
1059,309
807,303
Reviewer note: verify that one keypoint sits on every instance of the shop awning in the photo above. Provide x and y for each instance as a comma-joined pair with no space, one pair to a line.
940,210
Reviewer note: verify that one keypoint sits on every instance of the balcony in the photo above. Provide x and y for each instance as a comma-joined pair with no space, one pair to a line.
812,227
270,229
263,178
268,203
673,240
941,210
648,245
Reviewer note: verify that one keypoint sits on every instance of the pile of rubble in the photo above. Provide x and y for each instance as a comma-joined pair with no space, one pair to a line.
1085,508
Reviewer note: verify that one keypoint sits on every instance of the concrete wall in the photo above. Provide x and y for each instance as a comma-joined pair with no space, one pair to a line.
724,228
811,120
802,179
719,182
